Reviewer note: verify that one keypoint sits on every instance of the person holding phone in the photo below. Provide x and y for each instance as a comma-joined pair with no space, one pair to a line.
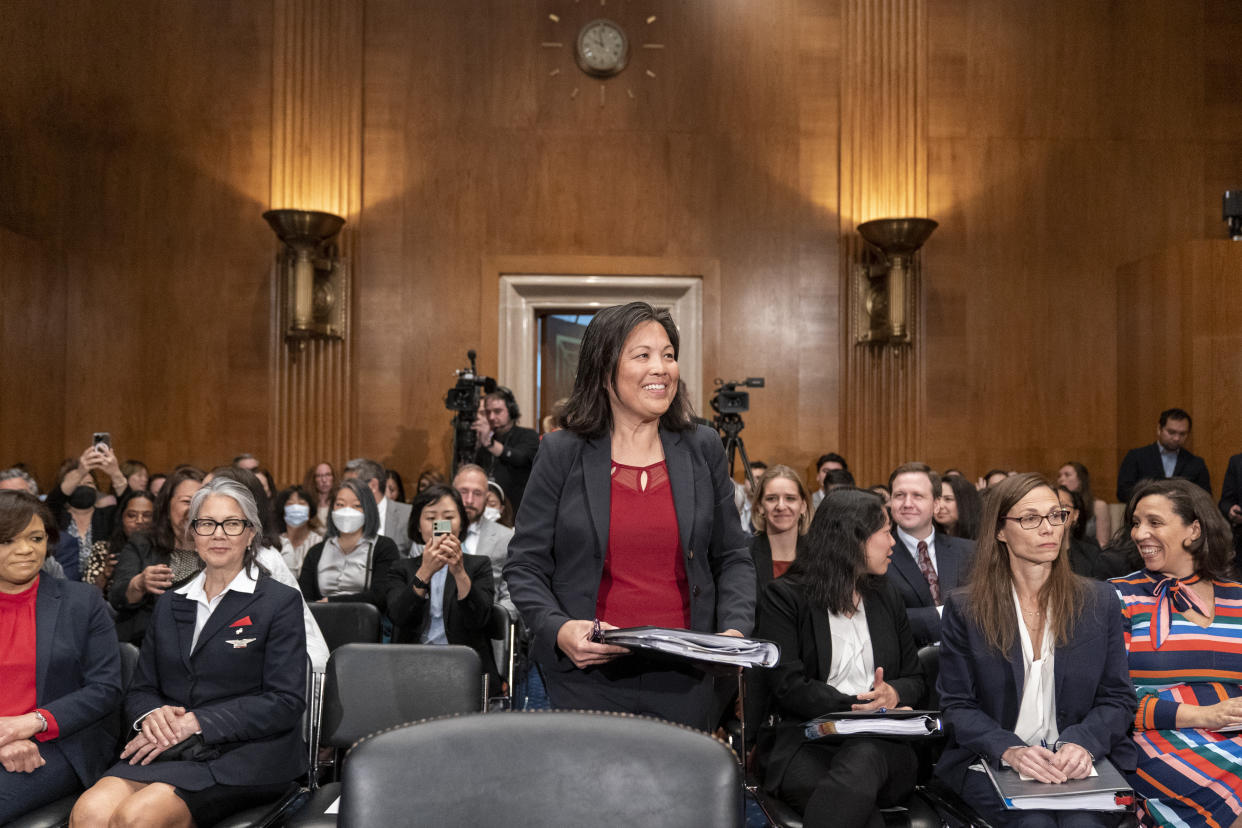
442,596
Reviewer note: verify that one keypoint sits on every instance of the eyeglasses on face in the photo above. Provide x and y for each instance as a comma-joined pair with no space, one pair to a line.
207,527
1056,517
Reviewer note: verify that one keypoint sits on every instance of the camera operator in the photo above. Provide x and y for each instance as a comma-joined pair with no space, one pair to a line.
505,450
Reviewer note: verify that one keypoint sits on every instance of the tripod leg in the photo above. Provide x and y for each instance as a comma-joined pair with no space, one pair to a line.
750,475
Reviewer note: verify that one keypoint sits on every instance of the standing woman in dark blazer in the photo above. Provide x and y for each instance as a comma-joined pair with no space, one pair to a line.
627,520
352,562
1033,666
845,645
442,595
218,695
781,511
60,672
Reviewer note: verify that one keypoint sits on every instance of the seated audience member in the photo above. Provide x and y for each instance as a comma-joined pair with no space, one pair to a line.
74,504
394,486
845,645
246,461
219,691
496,505
1231,504
838,479
782,514
429,476
18,480
320,483
947,473
154,561
352,562
269,484
394,517
59,665
136,512
1097,523
884,493
1032,661
926,564
156,483
990,478
1085,557
1182,614
1167,457
297,526
442,596
483,536
136,475
958,508
825,463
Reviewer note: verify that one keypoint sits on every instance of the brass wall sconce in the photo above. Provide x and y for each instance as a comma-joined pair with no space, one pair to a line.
312,274
884,295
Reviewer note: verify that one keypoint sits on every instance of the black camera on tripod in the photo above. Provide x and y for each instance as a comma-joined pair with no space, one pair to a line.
729,400
464,398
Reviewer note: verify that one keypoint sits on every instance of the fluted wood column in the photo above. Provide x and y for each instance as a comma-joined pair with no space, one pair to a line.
316,165
883,175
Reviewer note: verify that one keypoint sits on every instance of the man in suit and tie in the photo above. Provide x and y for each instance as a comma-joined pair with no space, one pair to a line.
1164,458
926,564
394,516
483,536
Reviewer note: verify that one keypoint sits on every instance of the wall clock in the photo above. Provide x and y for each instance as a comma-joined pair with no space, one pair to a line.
617,50
602,48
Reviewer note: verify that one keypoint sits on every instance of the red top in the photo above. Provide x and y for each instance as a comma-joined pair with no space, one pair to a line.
779,568
17,657
644,581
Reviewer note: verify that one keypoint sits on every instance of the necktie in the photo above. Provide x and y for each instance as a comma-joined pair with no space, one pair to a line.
929,572
1173,593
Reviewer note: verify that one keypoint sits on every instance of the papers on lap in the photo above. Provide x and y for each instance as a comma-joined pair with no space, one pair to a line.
716,649
1104,790
901,723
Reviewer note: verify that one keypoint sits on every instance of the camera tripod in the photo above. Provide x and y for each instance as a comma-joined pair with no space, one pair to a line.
731,425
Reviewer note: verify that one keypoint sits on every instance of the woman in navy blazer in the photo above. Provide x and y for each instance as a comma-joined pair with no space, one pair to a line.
60,667
220,685
992,668
627,416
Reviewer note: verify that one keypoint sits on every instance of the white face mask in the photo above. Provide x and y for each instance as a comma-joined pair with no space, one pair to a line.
491,513
296,514
347,520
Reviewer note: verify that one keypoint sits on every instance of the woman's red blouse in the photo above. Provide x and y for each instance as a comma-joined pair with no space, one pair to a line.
17,657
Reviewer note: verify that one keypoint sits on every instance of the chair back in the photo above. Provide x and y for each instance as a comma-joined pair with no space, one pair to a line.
502,630
544,768
369,687
929,660
347,622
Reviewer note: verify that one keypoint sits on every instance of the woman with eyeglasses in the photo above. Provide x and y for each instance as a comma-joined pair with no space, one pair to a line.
217,699
1182,615
1033,670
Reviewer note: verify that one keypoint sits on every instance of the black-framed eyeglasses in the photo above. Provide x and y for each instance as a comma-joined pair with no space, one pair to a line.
207,527
1056,517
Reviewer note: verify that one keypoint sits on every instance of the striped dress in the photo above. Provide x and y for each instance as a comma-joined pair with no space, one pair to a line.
1188,777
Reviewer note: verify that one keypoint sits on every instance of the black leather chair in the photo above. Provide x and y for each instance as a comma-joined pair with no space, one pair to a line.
347,622
542,768
502,629
56,814
369,687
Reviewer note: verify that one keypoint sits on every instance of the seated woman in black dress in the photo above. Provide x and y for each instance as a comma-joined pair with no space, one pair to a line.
1033,670
220,685
442,596
60,673
845,645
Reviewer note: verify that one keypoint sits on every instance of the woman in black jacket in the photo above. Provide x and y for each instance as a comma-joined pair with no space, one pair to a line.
352,563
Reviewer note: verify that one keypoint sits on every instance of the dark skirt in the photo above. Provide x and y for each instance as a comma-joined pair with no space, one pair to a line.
636,684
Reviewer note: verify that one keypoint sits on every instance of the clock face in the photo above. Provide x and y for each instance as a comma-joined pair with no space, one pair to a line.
602,48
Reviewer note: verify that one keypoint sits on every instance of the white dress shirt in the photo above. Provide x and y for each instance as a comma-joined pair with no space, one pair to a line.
852,667
912,545
194,590
1037,718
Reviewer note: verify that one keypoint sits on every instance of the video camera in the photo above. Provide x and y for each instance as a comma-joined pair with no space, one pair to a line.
464,398
728,400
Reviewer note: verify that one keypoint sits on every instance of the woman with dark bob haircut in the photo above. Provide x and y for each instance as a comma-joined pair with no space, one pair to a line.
1182,614
59,669
351,563
845,645
628,520
959,507
1032,661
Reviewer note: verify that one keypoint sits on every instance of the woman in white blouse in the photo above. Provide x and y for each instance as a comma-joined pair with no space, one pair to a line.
1033,671
845,645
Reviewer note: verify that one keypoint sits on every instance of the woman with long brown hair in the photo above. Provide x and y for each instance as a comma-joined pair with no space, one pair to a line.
1033,670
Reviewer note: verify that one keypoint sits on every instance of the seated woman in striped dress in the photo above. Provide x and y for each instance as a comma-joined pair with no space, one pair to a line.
1183,629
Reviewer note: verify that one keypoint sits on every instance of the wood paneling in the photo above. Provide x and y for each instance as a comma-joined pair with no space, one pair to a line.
1187,304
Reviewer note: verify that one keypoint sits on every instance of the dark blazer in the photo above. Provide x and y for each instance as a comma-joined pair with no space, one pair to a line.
511,469
1144,464
953,559
1231,495
78,673
465,621
248,699
383,555
981,689
138,553
797,686
761,554
556,556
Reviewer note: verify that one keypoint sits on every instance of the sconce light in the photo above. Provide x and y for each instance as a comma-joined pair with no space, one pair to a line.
312,273
884,299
